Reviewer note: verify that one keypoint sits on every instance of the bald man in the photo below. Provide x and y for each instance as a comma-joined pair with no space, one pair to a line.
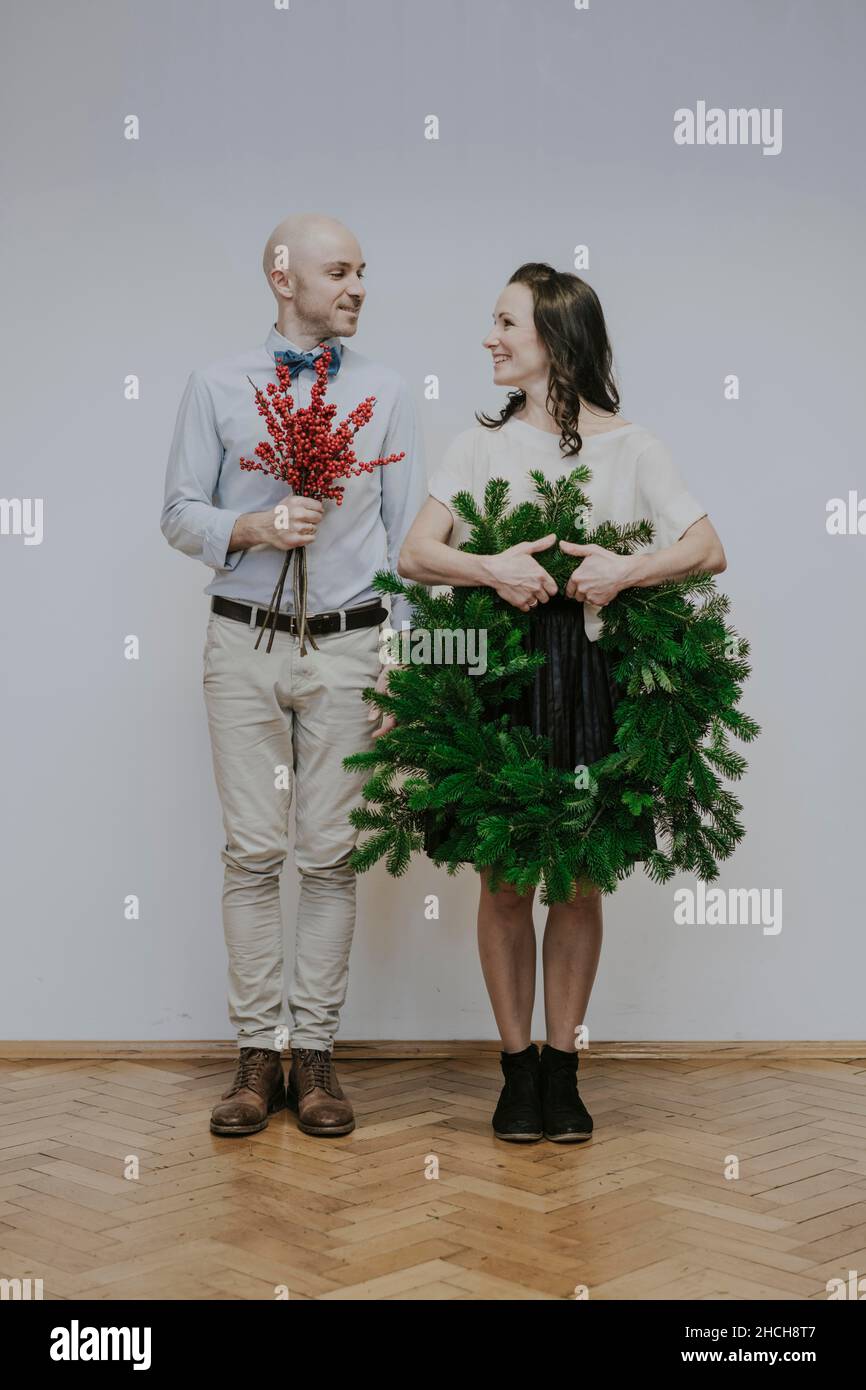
281,723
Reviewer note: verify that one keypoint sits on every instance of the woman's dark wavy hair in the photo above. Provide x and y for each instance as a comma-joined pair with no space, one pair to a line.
569,320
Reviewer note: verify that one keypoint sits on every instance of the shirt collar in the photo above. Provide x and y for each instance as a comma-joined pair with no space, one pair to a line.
275,342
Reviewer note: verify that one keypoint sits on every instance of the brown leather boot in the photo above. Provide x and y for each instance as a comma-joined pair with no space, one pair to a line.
257,1091
315,1093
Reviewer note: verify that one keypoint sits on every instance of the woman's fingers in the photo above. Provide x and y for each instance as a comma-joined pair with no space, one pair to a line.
541,544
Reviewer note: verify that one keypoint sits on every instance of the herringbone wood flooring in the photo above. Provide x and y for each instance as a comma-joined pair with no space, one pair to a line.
642,1211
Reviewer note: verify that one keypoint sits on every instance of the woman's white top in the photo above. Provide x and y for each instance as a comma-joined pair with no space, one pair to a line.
633,477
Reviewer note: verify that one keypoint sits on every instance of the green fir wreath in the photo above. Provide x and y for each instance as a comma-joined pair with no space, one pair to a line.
455,760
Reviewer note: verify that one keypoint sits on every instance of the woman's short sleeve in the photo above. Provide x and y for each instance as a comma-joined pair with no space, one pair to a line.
662,496
455,470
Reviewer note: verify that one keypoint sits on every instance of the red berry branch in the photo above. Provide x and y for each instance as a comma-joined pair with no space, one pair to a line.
308,456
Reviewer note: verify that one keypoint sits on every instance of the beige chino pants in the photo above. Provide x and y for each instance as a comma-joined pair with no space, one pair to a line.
280,725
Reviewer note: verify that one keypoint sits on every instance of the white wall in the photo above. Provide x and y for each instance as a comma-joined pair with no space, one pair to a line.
143,257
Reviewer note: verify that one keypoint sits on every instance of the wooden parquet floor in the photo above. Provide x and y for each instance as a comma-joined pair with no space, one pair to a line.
421,1202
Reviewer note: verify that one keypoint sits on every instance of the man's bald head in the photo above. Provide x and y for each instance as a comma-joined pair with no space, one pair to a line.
314,267
304,239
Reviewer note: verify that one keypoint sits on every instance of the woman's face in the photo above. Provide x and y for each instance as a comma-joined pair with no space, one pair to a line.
520,358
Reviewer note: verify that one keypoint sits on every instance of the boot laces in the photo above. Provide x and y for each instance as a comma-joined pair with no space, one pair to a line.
319,1066
251,1065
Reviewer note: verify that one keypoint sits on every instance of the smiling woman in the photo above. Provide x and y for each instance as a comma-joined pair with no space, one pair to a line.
549,346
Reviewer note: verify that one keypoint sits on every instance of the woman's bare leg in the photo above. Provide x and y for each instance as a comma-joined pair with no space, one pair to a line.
570,955
506,945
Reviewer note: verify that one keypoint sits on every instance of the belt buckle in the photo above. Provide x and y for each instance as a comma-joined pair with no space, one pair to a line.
342,613
254,615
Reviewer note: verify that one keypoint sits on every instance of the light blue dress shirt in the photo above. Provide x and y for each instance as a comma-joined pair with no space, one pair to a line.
206,490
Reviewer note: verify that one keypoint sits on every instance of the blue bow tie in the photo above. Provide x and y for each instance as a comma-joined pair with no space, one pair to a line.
297,361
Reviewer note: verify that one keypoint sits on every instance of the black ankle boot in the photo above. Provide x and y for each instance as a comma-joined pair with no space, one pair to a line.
566,1118
517,1116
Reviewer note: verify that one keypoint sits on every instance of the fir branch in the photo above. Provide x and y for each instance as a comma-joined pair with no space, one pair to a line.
454,755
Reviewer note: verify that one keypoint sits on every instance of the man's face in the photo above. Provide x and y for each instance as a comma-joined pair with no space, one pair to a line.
328,286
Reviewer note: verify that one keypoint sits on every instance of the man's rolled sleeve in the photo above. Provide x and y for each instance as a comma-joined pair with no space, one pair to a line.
189,521
215,543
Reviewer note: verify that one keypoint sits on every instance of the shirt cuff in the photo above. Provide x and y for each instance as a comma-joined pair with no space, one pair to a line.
680,514
216,541
443,493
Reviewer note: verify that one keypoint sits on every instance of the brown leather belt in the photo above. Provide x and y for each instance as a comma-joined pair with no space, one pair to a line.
339,620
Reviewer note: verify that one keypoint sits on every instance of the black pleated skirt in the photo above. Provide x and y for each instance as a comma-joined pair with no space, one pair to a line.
571,700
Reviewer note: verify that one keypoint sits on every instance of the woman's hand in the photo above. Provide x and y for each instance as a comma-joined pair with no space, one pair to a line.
600,577
604,573
519,579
